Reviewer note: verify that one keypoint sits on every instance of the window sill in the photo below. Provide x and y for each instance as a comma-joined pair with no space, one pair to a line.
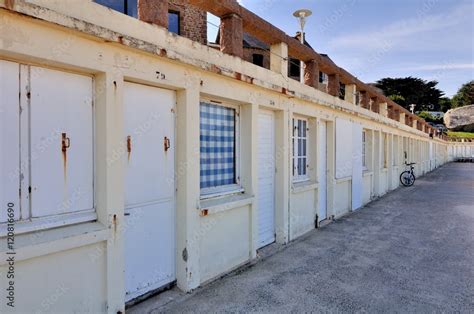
51,241
342,180
217,205
49,222
233,189
300,187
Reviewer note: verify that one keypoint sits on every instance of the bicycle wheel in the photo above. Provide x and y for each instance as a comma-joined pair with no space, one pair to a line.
407,178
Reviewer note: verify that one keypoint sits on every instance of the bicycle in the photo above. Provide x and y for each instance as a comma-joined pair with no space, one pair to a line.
407,177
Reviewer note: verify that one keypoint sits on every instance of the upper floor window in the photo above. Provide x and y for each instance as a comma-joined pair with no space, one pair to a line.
257,59
357,100
342,91
173,22
294,65
323,78
128,7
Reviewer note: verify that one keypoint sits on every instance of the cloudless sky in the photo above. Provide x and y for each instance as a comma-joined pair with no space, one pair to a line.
372,39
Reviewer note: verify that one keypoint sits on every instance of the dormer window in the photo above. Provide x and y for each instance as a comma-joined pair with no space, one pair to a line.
257,59
342,91
173,22
128,7
323,78
294,66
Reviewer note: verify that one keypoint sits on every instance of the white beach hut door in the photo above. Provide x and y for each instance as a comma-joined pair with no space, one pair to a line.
149,188
266,178
322,171
61,149
356,166
431,156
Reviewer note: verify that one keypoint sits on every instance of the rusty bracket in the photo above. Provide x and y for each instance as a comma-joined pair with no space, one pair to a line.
129,144
65,142
166,143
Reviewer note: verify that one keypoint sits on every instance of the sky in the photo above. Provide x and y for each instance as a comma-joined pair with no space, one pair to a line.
373,39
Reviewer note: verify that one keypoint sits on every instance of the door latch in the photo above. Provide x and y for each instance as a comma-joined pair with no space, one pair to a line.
129,144
65,142
166,142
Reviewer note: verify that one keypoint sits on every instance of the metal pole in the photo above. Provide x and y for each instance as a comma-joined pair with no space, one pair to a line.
301,62
301,15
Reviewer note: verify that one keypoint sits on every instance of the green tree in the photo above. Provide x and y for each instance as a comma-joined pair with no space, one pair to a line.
412,90
397,98
464,96
429,117
445,104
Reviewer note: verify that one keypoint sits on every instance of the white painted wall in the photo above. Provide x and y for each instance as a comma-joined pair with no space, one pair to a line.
367,179
218,252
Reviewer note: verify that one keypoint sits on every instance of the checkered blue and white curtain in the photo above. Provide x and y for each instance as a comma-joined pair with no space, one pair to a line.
217,146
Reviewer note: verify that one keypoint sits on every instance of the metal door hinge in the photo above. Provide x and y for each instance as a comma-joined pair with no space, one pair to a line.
166,143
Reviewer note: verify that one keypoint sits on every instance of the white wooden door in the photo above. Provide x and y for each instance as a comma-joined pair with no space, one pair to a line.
149,188
9,138
431,156
61,142
357,166
343,148
266,178
322,171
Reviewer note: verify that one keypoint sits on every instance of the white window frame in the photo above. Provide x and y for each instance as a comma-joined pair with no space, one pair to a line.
26,223
218,191
296,177
364,150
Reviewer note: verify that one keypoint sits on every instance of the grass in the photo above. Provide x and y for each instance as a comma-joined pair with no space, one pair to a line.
461,134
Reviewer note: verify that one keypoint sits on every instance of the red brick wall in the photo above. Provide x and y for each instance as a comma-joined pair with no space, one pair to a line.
193,22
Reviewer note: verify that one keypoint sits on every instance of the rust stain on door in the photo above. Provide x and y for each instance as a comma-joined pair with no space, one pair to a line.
129,147
65,144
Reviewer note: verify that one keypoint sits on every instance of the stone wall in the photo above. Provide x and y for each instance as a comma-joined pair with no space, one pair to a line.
193,21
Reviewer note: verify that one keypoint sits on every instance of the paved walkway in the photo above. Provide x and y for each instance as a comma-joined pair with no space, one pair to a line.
410,251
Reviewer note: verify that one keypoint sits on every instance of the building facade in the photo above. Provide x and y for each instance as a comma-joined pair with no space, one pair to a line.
134,159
